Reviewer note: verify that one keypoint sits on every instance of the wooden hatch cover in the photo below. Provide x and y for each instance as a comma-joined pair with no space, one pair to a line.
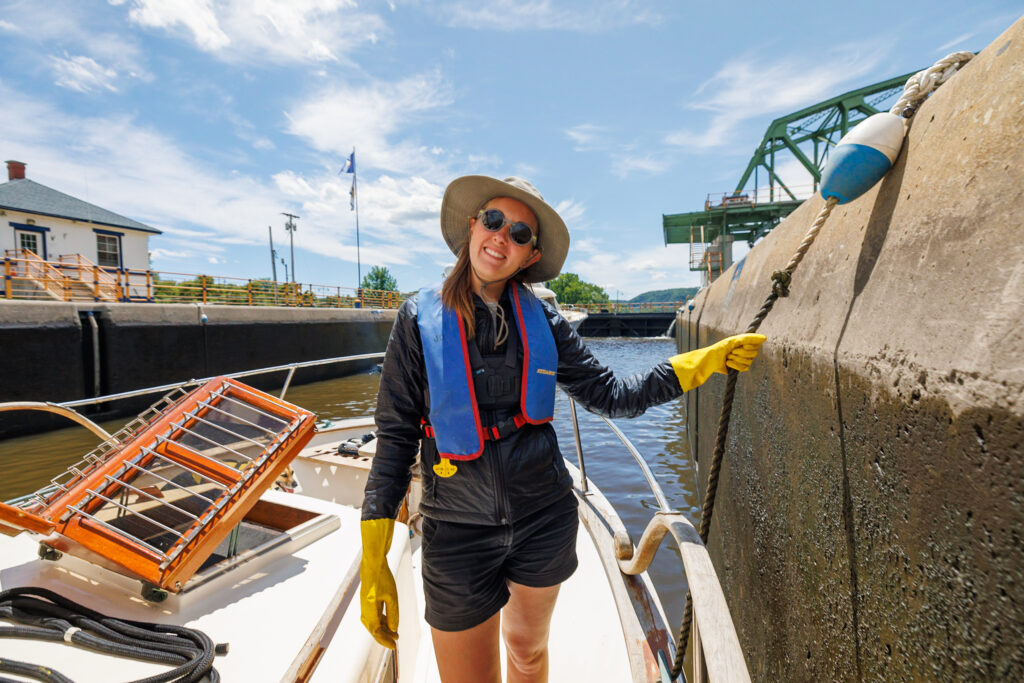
155,500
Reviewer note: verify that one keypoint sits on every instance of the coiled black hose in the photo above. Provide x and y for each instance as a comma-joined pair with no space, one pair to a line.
44,615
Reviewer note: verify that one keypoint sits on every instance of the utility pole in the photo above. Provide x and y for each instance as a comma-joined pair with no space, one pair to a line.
273,254
273,262
291,228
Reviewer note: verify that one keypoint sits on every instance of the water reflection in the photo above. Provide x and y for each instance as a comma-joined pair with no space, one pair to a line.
29,462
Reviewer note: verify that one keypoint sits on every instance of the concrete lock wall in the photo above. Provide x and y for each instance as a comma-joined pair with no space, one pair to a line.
48,349
869,515
34,352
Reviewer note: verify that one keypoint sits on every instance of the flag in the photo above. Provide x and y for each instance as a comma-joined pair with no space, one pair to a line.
352,196
350,164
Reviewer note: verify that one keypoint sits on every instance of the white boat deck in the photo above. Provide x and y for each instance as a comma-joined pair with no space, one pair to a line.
269,612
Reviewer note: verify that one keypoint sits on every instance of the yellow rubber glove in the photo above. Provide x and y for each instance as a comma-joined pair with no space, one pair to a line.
378,595
738,352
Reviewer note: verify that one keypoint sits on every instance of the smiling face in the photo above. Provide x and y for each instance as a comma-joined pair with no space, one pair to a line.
494,257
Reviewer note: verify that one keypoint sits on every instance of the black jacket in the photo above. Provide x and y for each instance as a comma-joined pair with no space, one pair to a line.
516,475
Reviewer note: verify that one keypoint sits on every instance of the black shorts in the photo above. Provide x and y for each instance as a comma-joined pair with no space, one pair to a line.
466,566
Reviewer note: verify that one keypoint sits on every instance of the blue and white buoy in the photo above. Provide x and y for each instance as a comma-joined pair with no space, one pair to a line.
862,157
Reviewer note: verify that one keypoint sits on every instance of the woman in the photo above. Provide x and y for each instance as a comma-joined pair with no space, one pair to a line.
469,381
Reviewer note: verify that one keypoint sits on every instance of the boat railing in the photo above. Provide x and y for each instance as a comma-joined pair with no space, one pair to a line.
716,646
290,367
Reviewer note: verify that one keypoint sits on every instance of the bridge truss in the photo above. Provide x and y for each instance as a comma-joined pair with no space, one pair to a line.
750,213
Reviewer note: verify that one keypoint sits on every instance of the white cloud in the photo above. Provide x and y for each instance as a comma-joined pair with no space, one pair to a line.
586,136
623,157
370,117
571,212
196,16
614,265
627,164
564,15
83,74
632,272
281,31
186,236
102,55
959,40
162,254
120,52
747,87
294,185
521,169
484,160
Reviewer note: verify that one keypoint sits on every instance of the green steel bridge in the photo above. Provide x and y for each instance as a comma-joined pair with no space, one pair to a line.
806,136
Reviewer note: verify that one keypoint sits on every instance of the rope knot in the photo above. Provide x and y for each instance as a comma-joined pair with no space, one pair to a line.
780,282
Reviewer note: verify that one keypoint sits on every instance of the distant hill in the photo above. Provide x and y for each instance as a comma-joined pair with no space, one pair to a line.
677,294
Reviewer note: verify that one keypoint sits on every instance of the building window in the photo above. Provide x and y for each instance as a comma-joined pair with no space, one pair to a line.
107,251
30,241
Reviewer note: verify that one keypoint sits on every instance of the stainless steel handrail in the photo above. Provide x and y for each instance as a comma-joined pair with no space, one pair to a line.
57,409
651,481
648,474
291,367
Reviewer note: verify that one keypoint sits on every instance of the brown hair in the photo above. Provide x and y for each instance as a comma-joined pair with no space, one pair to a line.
457,290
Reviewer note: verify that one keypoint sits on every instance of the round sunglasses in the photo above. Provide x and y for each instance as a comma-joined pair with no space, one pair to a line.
493,221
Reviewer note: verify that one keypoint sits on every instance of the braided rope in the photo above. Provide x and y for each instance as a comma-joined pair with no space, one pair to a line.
923,82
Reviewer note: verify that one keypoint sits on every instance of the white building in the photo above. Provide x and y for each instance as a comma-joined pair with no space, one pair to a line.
52,224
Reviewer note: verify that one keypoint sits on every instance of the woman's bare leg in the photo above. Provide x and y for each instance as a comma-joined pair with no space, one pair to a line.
525,624
470,656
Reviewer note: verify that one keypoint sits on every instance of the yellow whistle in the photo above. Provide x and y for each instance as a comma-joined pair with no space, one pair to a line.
445,468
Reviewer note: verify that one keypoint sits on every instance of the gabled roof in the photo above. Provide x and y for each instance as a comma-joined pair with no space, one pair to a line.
29,196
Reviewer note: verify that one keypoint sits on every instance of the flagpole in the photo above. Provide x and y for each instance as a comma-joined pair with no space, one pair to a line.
355,197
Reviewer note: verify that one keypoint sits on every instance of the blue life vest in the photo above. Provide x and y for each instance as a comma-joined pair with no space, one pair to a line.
454,413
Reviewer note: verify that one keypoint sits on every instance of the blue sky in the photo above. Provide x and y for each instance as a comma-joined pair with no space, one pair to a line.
207,119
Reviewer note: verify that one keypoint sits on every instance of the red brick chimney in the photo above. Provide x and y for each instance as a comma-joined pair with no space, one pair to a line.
15,170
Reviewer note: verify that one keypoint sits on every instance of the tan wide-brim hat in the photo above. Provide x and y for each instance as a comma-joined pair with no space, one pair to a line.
465,196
